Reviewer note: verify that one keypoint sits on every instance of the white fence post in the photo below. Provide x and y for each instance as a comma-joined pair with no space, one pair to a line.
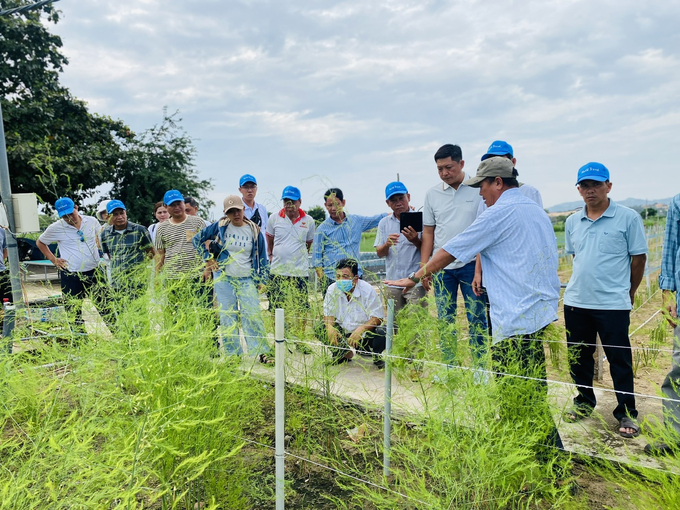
387,426
279,388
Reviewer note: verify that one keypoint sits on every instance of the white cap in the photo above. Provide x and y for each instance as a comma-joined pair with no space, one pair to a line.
101,208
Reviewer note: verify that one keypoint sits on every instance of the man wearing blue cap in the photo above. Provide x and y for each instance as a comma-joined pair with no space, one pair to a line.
175,252
289,236
77,237
609,249
128,245
255,212
400,248
501,149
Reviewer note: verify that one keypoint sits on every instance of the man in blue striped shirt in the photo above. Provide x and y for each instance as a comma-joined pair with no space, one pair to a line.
669,283
517,244
338,237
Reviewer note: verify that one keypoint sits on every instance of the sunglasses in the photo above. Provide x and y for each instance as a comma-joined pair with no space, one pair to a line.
82,236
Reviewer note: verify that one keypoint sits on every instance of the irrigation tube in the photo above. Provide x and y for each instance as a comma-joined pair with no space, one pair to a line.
387,426
280,384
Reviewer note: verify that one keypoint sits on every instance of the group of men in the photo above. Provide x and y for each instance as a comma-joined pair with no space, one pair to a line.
486,235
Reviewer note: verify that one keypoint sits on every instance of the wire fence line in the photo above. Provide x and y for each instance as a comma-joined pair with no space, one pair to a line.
442,365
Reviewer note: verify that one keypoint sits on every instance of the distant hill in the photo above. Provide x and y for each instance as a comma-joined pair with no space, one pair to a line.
630,202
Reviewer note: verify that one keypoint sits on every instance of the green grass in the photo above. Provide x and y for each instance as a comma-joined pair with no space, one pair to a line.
147,419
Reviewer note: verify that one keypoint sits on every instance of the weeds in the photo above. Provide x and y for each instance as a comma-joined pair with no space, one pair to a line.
146,418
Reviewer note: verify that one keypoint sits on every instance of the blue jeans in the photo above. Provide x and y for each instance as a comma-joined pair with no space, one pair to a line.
446,285
238,298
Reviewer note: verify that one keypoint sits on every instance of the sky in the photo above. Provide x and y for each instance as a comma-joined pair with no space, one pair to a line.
353,94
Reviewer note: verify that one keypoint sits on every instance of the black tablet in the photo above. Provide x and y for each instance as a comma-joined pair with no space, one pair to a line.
411,219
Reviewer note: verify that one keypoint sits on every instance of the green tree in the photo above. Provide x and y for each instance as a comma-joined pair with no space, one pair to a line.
55,146
318,213
649,212
159,159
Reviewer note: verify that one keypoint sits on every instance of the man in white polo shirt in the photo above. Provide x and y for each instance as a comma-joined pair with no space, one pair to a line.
353,314
400,248
77,237
450,207
290,233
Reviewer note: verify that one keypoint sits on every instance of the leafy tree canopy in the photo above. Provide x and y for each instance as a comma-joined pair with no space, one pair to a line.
56,147
160,159
318,213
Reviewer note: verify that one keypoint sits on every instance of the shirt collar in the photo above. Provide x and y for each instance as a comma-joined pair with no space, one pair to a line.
610,212
301,213
446,186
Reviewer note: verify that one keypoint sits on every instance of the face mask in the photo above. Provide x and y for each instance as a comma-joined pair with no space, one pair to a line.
344,285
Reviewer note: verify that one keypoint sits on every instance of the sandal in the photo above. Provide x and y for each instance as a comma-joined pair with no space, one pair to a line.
266,358
575,414
629,423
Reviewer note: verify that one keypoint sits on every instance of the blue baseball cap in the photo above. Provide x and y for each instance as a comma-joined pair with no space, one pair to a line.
172,196
64,206
115,204
291,193
498,148
395,188
593,171
247,178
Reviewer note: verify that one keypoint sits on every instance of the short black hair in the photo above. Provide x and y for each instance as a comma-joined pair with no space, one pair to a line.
510,182
449,151
352,264
191,201
333,191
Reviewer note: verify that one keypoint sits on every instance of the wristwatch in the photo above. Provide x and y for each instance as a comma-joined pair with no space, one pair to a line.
413,277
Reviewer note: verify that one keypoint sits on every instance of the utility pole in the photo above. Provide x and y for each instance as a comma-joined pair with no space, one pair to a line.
6,188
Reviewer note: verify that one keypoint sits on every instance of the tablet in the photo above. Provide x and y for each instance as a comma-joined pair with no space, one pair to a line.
411,219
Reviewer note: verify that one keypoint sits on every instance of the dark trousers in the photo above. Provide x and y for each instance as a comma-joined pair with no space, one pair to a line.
525,401
583,325
288,292
188,295
76,286
373,341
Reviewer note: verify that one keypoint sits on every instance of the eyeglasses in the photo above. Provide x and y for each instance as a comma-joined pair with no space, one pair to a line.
249,186
82,236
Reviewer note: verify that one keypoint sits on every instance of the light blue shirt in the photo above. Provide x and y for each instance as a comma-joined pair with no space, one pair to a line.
669,279
602,250
518,249
335,241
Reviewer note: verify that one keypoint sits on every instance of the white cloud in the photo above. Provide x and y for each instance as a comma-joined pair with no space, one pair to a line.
327,93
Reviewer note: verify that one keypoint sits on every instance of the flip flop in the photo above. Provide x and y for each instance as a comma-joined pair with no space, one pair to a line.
575,414
628,423
266,359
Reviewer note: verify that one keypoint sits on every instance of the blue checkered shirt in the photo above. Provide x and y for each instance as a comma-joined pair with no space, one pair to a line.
335,241
669,279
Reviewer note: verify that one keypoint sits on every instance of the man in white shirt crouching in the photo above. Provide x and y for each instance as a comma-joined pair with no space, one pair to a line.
353,314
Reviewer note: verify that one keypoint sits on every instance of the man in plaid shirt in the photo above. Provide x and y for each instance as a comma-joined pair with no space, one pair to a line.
669,283
128,244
